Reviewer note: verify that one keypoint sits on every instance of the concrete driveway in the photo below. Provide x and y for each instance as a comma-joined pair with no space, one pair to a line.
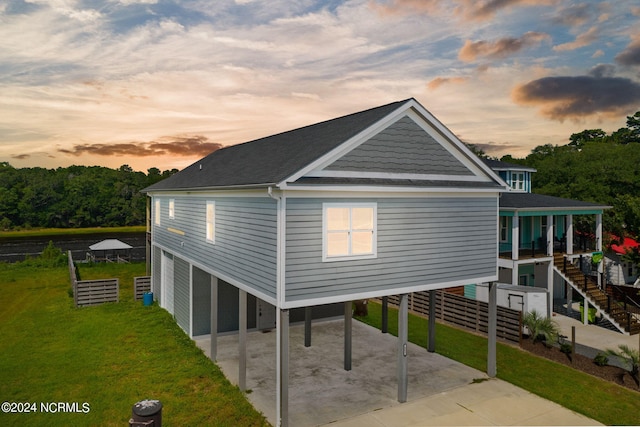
441,391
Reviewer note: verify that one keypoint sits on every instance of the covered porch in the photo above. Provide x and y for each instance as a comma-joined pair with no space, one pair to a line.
533,229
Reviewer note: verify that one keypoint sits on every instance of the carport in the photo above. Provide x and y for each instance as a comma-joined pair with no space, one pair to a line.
335,369
320,390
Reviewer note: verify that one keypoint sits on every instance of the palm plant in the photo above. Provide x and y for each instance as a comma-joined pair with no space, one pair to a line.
630,356
541,328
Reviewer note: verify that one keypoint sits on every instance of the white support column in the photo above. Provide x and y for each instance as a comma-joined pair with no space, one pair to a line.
214,319
549,236
550,288
282,360
403,334
515,237
599,247
242,340
492,330
515,276
347,334
569,240
598,232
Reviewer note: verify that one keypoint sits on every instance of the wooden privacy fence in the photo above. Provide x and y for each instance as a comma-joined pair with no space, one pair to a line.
466,313
140,286
92,292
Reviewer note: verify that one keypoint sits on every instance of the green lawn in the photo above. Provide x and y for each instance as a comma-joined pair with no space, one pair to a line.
43,232
109,356
112,356
601,400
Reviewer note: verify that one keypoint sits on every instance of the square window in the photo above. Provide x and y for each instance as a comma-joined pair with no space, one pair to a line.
349,231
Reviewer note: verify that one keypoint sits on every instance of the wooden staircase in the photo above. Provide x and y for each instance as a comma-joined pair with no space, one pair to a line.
587,286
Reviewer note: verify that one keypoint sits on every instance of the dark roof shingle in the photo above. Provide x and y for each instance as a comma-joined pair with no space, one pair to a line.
270,160
515,200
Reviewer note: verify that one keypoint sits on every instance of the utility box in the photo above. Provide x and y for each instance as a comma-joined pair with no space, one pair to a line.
146,413
521,298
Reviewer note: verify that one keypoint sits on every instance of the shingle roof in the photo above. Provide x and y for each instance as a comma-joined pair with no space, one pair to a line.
516,200
499,165
270,160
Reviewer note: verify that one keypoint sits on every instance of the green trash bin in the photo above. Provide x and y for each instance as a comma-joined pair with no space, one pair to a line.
591,315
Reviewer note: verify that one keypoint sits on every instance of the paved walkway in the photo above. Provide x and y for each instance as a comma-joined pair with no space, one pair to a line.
441,391
593,339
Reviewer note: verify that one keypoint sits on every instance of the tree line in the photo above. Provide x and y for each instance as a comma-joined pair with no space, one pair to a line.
73,197
594,166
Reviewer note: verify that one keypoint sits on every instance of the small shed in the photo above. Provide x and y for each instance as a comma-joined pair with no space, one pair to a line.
110,250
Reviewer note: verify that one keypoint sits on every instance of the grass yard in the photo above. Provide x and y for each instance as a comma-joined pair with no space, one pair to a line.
44,232
108,356
600,400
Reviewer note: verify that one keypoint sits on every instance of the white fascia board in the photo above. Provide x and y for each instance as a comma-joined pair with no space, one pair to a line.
382,293
254,192
430,118
384,191
419,115
518,168
391,175
348,145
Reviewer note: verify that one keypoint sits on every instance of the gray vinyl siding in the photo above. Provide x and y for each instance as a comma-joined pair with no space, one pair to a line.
181,294
245,237
201,302
421,242
403,147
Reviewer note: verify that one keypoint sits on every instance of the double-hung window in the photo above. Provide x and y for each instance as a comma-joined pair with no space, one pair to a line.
349,231
172,208
211,222
517,180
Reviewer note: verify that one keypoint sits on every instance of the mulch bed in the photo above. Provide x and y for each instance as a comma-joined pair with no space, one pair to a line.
582,363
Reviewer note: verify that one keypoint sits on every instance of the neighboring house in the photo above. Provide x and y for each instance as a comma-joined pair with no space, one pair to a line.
382,202
619,269
541,246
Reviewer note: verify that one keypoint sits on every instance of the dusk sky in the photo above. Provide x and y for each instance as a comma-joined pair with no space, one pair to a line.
155,83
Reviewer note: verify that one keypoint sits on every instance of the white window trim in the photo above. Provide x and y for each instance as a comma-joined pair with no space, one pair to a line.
211,223
518,180
172,208
157,213
374,243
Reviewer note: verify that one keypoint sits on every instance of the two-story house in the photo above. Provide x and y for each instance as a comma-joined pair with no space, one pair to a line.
550,242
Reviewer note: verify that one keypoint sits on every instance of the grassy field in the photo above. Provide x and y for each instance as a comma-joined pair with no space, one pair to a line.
43,232
112,356
601,400
108,356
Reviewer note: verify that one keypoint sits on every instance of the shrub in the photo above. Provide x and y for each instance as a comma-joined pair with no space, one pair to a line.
601,359
565,348
541,328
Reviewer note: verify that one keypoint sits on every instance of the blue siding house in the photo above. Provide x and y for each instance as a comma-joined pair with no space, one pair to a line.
549,243
387,201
